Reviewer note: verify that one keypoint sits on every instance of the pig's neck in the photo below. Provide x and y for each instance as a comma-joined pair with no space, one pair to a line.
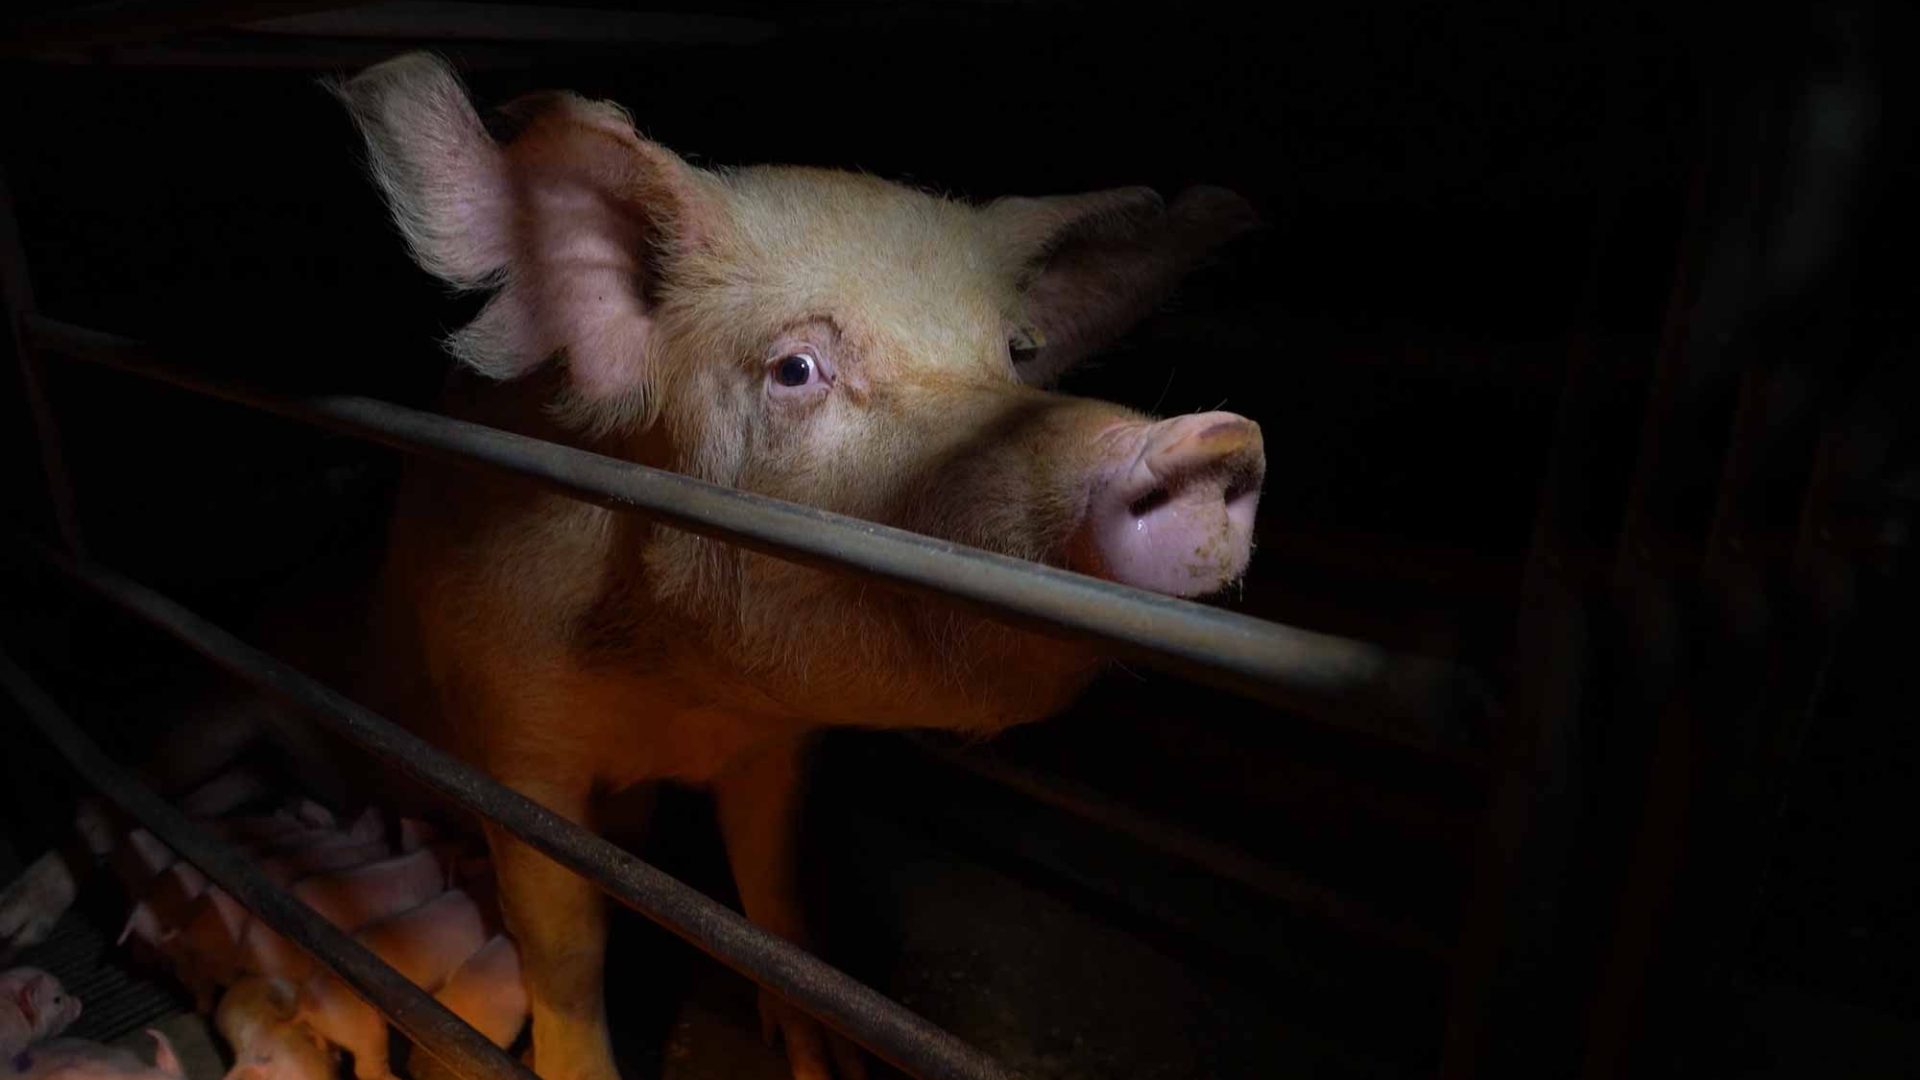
498,580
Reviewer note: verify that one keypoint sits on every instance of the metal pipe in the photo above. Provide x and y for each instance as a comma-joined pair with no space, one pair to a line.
850,1007
1264,660
415,1012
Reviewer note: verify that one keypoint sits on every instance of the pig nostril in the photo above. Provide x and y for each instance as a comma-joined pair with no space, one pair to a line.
1148,503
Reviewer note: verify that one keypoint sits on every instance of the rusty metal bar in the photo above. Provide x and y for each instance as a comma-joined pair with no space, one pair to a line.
414,1011
1264,660
855,1010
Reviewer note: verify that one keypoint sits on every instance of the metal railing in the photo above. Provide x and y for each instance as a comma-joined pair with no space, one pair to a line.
1341,679
1262,659
1248,655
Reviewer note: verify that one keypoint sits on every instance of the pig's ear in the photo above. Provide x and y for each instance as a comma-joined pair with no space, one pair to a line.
1094,265
568,220
164,1057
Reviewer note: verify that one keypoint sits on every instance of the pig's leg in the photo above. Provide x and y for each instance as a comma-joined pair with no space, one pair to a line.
758,804
559,920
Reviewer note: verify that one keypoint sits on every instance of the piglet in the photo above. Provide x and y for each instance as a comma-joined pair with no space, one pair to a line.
33,1006
83,1059
210,945
349,899
486,991
425,945
257,1019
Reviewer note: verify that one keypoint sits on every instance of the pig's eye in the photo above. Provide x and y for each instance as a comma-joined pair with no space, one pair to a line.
1022,345
795,370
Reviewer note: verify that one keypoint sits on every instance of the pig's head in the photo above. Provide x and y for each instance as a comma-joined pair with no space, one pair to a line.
831,339
42,1001
257,1017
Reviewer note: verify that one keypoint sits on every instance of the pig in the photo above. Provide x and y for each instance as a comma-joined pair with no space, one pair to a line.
349,899
258,1018
210,954
83,1059
33,1006
426,944
822,337
486,991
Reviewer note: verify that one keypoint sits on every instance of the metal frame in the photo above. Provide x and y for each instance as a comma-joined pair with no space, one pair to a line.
1573,618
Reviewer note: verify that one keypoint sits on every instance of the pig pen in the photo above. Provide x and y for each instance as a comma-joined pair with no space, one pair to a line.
1581,341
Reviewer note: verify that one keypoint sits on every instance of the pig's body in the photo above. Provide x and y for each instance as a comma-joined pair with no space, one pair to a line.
425,944
373,891
820,337
259,1019
486,991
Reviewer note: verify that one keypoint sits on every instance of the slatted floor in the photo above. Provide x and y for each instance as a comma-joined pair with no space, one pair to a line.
115,1000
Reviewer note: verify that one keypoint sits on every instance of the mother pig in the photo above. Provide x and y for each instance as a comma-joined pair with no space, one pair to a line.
823,337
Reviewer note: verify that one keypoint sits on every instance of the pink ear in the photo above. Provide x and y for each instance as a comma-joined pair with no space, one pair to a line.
368,827
312,813
164,1057
232,916
414,835
565,220
141,923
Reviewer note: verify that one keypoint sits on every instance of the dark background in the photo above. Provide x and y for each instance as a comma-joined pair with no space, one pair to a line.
1460,198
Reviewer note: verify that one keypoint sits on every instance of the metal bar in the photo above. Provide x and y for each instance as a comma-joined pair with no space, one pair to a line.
1264,660
439,20
17,285
92,26
1219,859
850,1007
414,1011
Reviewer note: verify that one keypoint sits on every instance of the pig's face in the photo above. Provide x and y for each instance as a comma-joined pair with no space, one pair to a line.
44,1005
840,341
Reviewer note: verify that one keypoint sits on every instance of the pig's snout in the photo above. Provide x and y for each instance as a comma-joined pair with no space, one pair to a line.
1171,508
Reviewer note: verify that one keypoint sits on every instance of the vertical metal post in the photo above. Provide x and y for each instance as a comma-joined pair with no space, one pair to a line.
18,288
